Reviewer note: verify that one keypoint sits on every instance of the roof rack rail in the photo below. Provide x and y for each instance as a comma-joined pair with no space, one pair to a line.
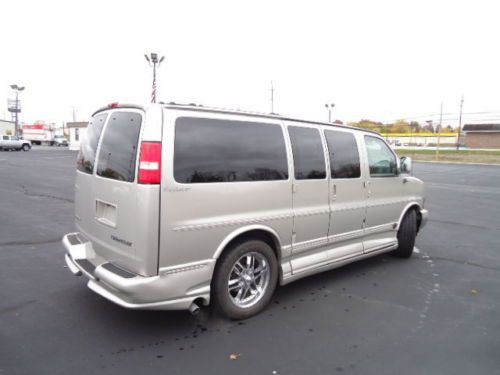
201,108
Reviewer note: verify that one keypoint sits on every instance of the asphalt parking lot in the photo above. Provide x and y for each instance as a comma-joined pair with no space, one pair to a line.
437,313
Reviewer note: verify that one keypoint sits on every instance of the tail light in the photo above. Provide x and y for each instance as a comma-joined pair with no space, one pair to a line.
150,163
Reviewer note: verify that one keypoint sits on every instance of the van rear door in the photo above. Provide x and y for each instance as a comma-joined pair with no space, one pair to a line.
116,213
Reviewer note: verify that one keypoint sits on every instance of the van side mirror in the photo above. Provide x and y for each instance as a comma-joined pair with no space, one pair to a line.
406,165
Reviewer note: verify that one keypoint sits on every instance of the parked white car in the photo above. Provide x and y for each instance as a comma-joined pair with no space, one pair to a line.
11,142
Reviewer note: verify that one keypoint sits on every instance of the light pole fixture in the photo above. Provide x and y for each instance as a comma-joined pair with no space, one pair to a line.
16,109
153,61
329,107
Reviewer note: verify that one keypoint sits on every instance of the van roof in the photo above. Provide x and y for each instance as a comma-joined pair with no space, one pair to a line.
201,108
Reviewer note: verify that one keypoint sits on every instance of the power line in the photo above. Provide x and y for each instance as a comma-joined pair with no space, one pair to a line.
446,114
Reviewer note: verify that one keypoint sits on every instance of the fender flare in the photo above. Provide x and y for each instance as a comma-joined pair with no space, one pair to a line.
242,230
405,210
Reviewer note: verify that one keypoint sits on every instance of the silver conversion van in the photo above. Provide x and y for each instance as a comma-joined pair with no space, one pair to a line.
180,205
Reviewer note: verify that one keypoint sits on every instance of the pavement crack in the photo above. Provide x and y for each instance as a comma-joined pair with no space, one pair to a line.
464,262
461,224
8,309
36,242
28,194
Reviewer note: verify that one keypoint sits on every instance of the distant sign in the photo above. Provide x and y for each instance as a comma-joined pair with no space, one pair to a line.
36,126
12,107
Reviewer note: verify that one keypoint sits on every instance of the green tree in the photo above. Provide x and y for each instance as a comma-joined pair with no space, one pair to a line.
400,126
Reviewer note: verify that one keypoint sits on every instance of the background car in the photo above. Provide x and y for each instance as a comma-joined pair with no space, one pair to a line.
12,142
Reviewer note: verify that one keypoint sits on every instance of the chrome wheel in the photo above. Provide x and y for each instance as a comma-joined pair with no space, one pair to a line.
248,279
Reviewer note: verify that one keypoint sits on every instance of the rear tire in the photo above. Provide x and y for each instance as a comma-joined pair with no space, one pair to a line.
406,235
245,279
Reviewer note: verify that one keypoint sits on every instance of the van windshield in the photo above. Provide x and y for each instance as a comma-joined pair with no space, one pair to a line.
88,144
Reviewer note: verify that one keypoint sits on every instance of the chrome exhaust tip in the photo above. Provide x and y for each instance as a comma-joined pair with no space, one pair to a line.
194,309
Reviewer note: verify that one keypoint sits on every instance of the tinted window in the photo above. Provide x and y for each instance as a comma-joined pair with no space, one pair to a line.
118,150
381,159
209,150
344,155
308,156
86,157
5,137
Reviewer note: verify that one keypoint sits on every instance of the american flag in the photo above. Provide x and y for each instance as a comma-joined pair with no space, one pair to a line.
153,92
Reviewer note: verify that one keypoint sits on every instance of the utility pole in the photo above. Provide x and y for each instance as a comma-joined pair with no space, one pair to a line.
272,98
329,107
439,131
153,61
460,122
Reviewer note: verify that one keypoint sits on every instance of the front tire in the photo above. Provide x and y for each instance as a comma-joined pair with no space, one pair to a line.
406,235
245,279
26,147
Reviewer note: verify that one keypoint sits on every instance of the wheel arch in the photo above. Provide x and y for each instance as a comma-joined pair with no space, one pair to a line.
413,205
265,233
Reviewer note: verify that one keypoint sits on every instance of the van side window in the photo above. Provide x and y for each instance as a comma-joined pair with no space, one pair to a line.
211,150
381,159
86,157
118,151
5,137
344,155
308,154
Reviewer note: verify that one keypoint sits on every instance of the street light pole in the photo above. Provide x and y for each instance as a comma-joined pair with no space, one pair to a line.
153,61
16,89
329,107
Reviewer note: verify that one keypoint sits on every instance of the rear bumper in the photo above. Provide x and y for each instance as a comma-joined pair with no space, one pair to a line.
424,214
174,288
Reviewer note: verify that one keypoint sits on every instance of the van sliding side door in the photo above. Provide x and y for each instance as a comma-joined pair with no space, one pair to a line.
310,197
347,194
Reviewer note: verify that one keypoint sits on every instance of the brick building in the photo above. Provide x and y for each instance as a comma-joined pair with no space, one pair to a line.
482,135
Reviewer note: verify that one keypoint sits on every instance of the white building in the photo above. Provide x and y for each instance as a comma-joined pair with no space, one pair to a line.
7,127
77,131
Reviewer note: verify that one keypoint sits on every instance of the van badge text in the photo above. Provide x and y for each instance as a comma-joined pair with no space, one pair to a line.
122,241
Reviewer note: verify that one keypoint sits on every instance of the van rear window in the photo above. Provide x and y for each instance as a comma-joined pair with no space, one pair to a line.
118,151
210,150
88,144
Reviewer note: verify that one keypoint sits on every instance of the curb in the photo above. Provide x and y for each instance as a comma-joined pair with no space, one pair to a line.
453,162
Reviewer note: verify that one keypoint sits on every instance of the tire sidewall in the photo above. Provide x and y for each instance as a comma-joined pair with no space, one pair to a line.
225,265
407,234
